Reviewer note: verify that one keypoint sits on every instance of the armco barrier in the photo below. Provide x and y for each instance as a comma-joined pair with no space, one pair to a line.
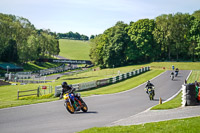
102,82
87,85
58,90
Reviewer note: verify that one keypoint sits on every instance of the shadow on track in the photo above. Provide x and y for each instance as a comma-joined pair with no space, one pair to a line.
89,112
176,80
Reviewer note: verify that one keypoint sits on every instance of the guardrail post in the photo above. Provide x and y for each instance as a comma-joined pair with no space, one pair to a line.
38,92
18,95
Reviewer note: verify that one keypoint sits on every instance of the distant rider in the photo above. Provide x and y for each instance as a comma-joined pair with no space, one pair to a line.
149,85
176,71
172,75
66,89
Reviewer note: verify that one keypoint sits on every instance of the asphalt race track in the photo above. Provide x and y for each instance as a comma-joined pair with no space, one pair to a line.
52,117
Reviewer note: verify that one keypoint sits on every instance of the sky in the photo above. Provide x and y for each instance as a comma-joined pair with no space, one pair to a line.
92,17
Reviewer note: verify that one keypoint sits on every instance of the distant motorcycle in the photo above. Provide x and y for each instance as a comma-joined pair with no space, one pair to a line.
176,73
74,102
172,77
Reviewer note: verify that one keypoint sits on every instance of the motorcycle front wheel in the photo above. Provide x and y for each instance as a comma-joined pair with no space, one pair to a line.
70,108
151,96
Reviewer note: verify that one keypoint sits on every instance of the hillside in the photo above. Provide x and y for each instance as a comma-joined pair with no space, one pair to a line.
74,49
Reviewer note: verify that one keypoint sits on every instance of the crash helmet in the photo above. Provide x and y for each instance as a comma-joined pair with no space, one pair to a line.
148,82
64,84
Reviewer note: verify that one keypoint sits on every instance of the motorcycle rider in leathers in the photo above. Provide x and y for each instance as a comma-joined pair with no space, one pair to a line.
67,89
149,85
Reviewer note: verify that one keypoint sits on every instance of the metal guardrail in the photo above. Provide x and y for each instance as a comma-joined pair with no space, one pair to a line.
103,82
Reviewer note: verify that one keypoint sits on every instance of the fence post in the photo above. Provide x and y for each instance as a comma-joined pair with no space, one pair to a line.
38,92
18,94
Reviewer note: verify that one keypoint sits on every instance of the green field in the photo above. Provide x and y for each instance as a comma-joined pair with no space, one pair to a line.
188,125
8,94
74,49
180,65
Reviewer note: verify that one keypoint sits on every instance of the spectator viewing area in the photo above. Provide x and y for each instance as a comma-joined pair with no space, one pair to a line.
10,67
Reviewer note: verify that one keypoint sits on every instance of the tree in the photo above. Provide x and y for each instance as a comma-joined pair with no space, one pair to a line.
194,38
108,49
196,14
20,41
141,36
92,37
181,25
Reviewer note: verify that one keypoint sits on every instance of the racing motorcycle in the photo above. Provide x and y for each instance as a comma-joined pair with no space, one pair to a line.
172,77
150,92
176,73
74,102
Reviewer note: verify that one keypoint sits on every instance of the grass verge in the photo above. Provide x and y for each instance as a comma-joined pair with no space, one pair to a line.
8,94
188,125
123,85
174,103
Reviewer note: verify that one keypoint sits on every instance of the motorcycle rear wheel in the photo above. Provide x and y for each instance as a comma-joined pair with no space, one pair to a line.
84,108
150,96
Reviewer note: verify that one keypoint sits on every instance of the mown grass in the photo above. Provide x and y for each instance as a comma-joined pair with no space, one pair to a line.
123,85
174,103
195,76
34,67
8,94
188,125
180,65
74,49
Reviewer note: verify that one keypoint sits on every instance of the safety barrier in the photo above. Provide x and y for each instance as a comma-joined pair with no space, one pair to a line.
103,82
41,90
189,95
35,90
183,98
